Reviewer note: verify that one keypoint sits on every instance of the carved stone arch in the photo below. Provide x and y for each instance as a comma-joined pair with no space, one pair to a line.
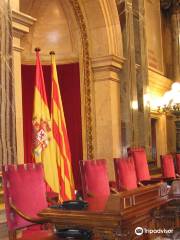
31,7
87,81
94,53
95,18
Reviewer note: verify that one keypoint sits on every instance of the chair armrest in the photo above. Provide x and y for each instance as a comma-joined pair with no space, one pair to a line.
112,184
52,198
123,188
89,194
113,187
140,184
37,220
113,190
151,181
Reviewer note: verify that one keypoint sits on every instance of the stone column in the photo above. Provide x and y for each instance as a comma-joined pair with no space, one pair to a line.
134,76
171,7
107,108
8,146
129,102
172,10
177,136
144,133
175,23
21,25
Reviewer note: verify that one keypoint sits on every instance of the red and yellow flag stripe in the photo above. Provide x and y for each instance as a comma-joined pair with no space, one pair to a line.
61,142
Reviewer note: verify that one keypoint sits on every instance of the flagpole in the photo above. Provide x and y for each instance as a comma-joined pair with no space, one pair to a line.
37,49
52,53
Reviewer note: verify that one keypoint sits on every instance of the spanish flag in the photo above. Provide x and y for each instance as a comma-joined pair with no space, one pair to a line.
61,143
42,130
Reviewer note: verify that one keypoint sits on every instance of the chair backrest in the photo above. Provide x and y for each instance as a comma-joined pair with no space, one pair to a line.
178,162
94,177
24,187
140,162
167,165
125,173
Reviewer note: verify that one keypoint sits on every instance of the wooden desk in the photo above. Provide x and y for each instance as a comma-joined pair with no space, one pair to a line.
168,215
113,217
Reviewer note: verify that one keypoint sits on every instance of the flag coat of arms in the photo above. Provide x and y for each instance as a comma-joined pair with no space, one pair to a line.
42,144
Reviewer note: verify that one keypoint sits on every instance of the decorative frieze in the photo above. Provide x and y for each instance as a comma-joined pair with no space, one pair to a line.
87,79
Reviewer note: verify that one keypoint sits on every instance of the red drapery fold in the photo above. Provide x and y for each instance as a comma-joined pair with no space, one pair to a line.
69,82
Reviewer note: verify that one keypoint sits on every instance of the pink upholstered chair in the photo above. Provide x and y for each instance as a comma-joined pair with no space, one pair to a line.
140,162
94,178
167,165
25,196
178,163
141,166
125,173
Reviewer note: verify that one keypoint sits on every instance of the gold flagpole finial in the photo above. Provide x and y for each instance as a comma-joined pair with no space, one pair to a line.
52,53
37,49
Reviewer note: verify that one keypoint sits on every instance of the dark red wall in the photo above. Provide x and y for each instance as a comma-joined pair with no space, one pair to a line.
69,81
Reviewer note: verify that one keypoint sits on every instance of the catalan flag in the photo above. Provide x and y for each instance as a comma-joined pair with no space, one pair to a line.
42,130
62,149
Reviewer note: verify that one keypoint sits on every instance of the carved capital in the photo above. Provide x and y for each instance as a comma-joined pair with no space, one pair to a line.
107,68
172,6
166,4
21,23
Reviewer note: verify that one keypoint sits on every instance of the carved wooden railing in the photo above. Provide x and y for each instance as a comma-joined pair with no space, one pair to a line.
168,215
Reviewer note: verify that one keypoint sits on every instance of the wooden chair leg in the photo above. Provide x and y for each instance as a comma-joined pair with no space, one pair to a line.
12,235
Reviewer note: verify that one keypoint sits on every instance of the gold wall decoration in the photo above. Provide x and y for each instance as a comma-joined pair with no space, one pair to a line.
87,80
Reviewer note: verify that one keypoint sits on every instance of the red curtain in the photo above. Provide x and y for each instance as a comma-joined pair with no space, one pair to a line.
69,81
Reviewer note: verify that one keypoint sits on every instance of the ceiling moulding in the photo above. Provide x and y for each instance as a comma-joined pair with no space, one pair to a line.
21,23
59,59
